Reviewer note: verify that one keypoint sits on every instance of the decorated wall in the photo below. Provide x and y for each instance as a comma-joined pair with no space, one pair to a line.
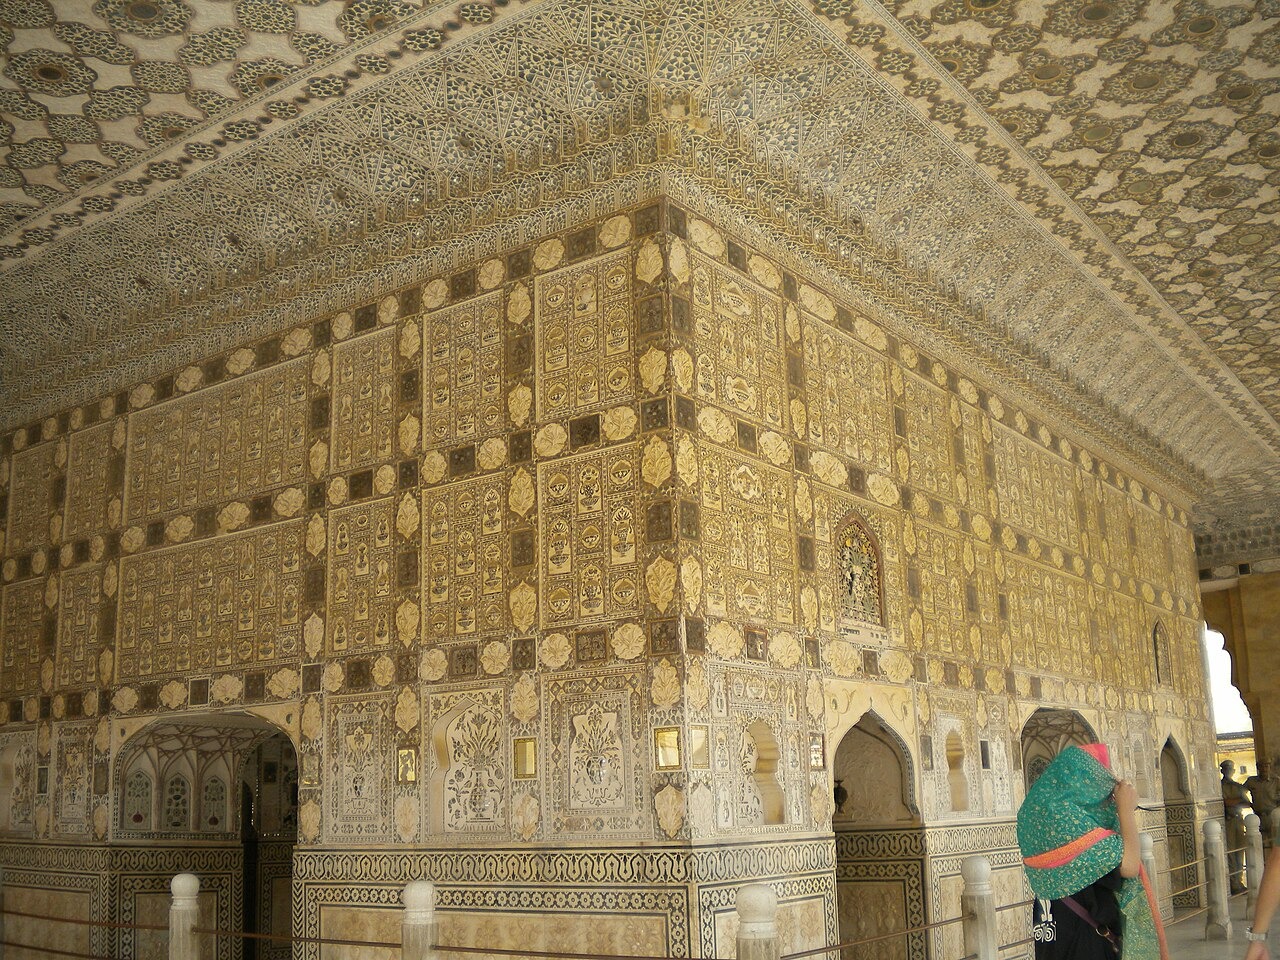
588,553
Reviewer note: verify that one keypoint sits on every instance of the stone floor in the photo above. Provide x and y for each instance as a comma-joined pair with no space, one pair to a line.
1186,939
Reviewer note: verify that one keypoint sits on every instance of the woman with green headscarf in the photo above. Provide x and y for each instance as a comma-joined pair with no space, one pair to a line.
1078,833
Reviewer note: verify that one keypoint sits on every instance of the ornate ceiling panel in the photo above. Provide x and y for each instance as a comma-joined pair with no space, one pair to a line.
1088,187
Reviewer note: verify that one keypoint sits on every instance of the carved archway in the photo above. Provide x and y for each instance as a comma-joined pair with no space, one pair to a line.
1179,824
1047,733
880,842
182,779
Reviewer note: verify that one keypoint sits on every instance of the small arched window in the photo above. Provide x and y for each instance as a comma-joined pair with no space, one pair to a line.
137,801
1160,652
177,803
213,804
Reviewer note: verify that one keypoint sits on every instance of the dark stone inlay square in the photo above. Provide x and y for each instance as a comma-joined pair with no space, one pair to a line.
463,661
320,412
164,388
312,674
747,439
523,653
365,318
407,568
462,284
648,219
314,585
812,660
410,301
695,635
519,354
359,674
213,370
655,414
361,485
148,697
321,334
519,264
407,473
315,496
80,552
259,509
664,637
155,533
523,548
462,460
686,413
649,315
690,520
680,316
410,386
198,691
950,673
206,521
677,222
857,480
520,446
790,289
268,352
584,431
658,522
581,243
757,643
804,548
736,255
795,369
592,645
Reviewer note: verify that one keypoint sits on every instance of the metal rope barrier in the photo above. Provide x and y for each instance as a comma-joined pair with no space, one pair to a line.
876,939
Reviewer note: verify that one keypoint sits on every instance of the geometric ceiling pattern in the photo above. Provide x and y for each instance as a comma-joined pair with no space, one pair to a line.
1086,190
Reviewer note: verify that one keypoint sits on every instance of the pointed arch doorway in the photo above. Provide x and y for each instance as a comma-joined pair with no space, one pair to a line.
180,784
880,847
1180,826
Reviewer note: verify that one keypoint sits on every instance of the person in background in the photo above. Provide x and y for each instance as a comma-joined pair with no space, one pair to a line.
1264,797
1265,909
1078,834
1235,804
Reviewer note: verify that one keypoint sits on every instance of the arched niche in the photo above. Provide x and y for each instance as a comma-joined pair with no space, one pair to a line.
1179,824
1161,655
467,789
1047,733
177,758
872,776
859,575
880,841
760,767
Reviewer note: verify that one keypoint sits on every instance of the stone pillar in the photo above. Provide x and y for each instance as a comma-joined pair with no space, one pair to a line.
1217,925
978,905
1148,857
1253,856
418,928
758,923
184,911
